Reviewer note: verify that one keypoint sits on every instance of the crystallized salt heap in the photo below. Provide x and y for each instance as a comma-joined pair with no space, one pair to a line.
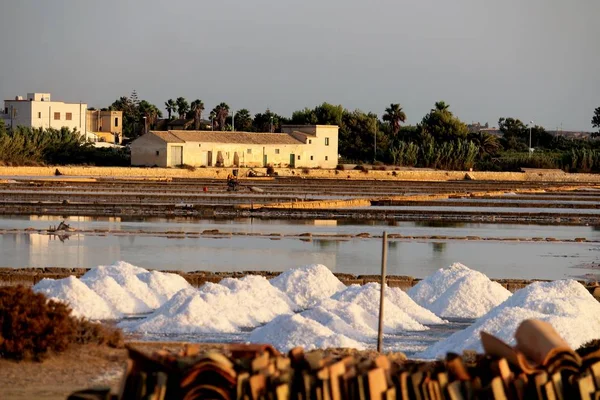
133,290
401,312
83,301
458,292
288,331
308,285
565,304
226,307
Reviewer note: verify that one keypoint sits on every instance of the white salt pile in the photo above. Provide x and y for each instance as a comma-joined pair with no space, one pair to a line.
307,285
226,307
288,331
401,312
131,289
83,301
458,292
107,292
566,305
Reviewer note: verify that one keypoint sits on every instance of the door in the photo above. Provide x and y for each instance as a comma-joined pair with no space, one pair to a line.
176,155
209,159
265,163
292,160
236,159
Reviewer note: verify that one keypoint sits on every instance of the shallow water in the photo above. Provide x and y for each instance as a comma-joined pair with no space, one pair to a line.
527,260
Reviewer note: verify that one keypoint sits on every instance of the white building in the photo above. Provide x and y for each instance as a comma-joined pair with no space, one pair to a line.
39,111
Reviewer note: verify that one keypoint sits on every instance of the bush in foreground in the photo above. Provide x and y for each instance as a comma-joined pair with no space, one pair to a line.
31,326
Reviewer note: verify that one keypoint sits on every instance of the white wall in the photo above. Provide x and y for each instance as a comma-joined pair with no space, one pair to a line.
40,114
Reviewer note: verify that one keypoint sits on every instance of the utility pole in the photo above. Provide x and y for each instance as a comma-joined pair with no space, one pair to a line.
375,150
530,126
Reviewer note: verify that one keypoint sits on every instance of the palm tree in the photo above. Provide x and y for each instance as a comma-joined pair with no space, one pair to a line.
243,120
197,108
441,106
150,112
221,112
171,107
394,115
486,143
182,107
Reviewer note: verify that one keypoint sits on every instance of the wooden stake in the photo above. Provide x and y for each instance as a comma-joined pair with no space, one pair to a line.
381,297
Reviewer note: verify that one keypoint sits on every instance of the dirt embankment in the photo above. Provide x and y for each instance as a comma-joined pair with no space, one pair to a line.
216,173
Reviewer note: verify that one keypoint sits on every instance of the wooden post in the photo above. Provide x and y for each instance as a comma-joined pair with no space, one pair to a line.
382,294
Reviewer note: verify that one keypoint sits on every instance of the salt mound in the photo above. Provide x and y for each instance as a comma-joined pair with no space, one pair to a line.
401,312
288,331
229,306
83,300
345,318
565,304
308,285
458,292
132,289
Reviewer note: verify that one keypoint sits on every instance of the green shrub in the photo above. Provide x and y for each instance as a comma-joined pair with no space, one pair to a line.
31,326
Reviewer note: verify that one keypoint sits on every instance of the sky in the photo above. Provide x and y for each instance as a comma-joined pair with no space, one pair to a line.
537,60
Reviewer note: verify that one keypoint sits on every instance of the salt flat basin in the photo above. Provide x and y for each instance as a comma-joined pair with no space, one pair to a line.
497,259
296,226
531,210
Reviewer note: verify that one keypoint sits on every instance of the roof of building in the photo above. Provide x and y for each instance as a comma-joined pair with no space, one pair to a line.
167,136
226,137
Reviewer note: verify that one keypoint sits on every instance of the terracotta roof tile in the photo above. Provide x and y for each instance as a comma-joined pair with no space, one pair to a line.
227,137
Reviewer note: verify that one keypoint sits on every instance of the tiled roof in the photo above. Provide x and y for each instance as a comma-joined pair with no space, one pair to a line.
227,137
167,136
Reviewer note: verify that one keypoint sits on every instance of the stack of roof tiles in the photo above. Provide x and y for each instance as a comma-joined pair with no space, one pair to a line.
540,366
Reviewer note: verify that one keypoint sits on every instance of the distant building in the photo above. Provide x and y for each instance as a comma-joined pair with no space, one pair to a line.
298,146
37,110
105,126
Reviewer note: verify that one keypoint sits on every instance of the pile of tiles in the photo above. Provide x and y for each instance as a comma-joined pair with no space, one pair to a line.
540,366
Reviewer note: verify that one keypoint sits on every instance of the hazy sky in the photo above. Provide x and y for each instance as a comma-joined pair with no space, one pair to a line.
532,59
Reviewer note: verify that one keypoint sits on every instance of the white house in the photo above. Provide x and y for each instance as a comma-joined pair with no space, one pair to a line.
297,146
37,110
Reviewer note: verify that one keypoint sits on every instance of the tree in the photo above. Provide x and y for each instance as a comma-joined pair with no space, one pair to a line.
171,107
357,137
324,114
394,115
219,115
443,125
151,114
441,106
196,109
131,116
515,134
596,122
267,122
243,120
486,143
182,107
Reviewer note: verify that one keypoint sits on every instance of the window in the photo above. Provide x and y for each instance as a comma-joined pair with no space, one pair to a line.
157,152
116,122
298,157
309,141
326,158
199,144
39,115
311,158
69,116
249,151
276,151
326,141
57,116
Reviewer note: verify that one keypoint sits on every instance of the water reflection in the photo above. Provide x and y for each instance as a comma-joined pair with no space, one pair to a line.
359,256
